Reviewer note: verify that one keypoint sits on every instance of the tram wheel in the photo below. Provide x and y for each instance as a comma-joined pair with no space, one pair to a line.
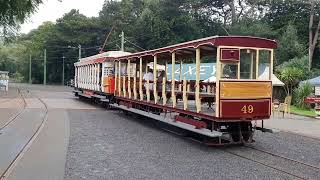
234,131
246,129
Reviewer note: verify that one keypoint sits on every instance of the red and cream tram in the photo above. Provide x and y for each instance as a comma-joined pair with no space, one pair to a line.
222,108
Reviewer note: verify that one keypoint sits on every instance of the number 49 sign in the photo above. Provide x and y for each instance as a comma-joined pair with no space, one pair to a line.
247,109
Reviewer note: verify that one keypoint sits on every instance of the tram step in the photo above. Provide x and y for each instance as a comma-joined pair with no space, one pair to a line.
99,96
267,130
84,95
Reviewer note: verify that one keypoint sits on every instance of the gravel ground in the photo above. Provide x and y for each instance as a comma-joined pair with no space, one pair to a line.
110,145
290,145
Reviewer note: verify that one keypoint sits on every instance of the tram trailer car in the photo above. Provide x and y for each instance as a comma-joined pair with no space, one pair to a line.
223,109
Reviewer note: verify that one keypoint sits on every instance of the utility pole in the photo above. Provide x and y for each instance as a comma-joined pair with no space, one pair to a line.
45,67
122,41
63,70
79,51
30,79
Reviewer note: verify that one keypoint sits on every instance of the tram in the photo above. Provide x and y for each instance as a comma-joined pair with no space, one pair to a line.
222,109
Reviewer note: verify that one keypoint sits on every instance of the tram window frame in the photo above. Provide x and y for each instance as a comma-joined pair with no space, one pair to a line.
256,67
229,75
250,61
266,60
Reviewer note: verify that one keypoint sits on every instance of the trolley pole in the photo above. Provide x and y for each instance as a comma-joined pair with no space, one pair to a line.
30,79
45,67
122,41
79,51
63,70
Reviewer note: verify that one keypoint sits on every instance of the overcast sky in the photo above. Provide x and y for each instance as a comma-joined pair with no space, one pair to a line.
51,10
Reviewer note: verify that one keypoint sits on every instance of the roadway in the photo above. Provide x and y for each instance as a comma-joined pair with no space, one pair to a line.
72,139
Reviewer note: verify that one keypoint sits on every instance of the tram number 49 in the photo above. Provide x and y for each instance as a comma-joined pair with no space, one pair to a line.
247,109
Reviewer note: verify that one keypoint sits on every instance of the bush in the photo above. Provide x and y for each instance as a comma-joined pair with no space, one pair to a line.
291,77
17,77
300,63
301,93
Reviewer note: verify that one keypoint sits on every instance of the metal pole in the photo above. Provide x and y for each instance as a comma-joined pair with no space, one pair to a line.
122,41
45,67
30,80
63,70
79,52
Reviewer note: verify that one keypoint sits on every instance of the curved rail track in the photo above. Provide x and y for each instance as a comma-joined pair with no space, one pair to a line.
303,135
291,167
13,164
16,115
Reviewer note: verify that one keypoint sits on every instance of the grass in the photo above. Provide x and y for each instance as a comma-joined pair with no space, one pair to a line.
303,112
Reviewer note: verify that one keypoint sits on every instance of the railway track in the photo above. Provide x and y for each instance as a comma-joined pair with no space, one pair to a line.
13,164
291,167
303,135
19,112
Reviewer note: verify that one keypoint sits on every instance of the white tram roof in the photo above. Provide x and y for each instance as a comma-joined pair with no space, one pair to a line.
4,72
109,54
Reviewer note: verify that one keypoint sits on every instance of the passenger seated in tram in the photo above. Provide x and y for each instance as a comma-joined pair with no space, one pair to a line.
162,74
148,76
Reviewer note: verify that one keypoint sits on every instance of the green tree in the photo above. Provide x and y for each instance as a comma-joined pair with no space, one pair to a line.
252,27
301,93
15,12
289,46
291,76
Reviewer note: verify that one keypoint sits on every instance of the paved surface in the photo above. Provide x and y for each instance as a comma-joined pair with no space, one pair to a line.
297,124
83,141
110,144
45,158
120,147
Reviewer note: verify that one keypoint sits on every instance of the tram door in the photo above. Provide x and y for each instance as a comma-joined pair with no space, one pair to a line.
108,78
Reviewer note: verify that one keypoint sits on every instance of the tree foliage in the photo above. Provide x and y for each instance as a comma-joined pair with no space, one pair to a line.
15,12
301,93
291,76
289,46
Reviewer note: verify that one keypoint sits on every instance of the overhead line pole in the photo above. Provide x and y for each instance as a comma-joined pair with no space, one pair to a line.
63,69
122,41
30,79
45,67
79,51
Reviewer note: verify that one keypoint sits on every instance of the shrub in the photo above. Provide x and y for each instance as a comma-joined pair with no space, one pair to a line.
300,63
301,93
290,76
17,77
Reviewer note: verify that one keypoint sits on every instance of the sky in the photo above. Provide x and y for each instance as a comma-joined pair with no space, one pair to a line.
51,10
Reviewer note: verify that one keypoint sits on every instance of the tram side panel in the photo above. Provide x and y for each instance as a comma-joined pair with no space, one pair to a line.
245,100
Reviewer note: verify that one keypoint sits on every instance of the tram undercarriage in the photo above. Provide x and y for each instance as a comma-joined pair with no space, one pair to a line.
207,131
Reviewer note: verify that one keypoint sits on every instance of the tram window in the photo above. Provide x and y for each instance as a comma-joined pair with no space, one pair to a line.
229,71
247,64
108,71
264,64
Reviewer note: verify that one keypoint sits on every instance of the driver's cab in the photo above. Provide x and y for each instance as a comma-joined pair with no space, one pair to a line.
244,82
